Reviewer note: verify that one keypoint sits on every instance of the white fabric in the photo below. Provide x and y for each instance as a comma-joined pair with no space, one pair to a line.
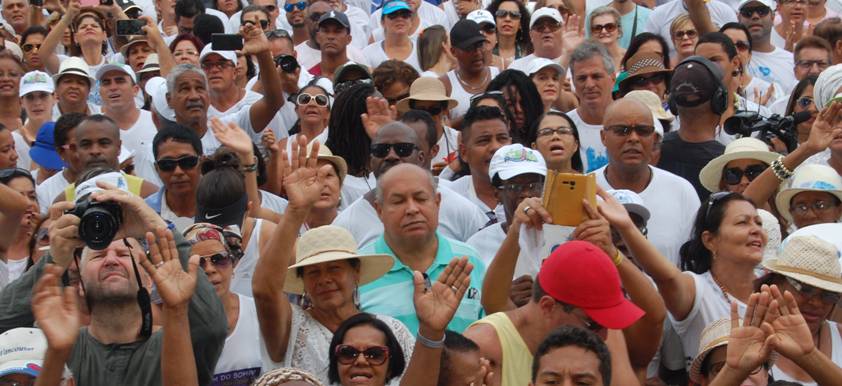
489,239
273,202
523,63
22,148
139,137
249,99
375,54
360,29
426,12
458,92
663,15
240,360
593,152
4,275
776,66
309,57
16,268
49,189
354,187
181,223
309,342
465,187
92,109
673,203
243,272
835,353
378,34
459,219
827,84
448,143
762,88
241,118
144,166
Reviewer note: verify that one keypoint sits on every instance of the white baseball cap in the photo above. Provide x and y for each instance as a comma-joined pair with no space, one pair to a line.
515,159
808,178
227,55
481,16
22,351
539,64
36,81
632,202
768,3
124,68
545,12
156,88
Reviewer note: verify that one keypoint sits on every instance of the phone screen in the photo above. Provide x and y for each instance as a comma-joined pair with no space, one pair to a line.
130,27
226,42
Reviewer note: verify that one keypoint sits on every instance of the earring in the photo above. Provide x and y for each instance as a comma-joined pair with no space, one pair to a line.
356,296
304,302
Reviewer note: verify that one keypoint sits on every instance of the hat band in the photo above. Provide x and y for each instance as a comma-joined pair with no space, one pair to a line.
319,252
788,269
715,343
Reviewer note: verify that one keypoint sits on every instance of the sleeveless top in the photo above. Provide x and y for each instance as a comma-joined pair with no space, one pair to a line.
457,91
240,361
835,356
516,363
244,271
135,183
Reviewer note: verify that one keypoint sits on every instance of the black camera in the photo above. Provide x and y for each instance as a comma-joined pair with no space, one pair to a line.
287,63
98,221
744,123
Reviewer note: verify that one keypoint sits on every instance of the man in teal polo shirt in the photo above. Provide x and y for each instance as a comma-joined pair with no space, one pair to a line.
408,205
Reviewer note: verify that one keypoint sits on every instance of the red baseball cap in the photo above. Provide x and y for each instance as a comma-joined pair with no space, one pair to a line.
580,274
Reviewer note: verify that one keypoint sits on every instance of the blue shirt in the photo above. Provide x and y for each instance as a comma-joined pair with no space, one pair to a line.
392,293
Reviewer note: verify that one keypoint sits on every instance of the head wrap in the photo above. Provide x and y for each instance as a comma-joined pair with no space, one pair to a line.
828,82
229,236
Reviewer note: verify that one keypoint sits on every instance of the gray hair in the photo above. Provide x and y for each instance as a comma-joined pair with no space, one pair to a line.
588,50
605,10
378,191
181,69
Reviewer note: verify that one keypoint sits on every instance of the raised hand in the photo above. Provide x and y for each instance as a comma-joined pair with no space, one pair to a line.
531,212
268,141
73,8
64,233
595,230
55,309
748,344
823,130
792,337
138,217
302,181
254,40
484,374
521,290
175,286
233,137
572,35
435,306
378,113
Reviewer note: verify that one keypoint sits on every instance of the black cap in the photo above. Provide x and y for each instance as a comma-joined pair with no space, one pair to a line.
694,81
339,17
465,34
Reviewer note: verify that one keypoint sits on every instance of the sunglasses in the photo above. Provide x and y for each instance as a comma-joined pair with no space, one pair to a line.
300,5
534,188
375,355
742,45
304,98
804,101
404,14
185,163
220,65
278,33
610,27
713,200
809,291
381,150
546,26
488,28
270,7
747,12
641,81
30,46
625,131
432,110
219,260
690,34
733,176
502,13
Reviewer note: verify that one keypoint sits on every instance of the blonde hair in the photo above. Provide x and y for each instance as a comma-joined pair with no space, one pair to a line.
605,10
678,22
285,374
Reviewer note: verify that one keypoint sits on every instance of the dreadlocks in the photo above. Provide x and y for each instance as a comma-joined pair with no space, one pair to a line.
346,134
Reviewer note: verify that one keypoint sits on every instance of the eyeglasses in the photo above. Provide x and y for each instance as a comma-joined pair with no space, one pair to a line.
532,188
30,46
220,65
374,355
300,5
690,34
804,101
263,23
304,98
502,13
219,260
403,149
185,163
747,12
808,291
549,131
403,14
625,131
817,207
271,8
432,110
546,26
742,45
809,64
713,200
733,176
609,27
589,323
643,80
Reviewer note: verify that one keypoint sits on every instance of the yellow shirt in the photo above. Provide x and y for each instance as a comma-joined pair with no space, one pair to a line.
516,364
134,183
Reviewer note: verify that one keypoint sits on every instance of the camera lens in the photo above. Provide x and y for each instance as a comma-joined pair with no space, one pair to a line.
99,224
288,63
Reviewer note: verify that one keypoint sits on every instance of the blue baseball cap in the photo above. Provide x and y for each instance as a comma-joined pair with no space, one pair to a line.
394,6
43,150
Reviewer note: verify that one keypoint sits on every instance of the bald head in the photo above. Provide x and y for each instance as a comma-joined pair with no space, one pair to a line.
628,135
622,107
397,130
422,177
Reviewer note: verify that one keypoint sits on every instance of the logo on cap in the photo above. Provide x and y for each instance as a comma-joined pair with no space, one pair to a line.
521,155
36,78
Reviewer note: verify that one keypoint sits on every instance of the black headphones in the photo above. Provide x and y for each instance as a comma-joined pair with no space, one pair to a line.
719,99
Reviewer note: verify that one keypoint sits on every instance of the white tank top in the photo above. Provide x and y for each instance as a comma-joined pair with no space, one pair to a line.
463,97
835,356
244,271
240,362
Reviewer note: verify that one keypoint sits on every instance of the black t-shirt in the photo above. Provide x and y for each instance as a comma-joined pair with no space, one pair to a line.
686,159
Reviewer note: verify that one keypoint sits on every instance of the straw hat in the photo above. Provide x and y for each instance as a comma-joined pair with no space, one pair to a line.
426,89
809,260
773,231
327,155
651,100
714,335
743,148
809,178
332,243
644,63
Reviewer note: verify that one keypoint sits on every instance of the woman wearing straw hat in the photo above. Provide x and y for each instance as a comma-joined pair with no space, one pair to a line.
743,160
327,273
712,354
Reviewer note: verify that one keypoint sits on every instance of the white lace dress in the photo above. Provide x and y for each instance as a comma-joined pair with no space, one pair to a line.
309,343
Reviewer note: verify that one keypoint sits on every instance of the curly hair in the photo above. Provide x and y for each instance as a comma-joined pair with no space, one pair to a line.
393,71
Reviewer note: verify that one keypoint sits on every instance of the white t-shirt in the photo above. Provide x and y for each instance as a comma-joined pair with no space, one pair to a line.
273,202
375,54
762,88
22,148
489,239
139,137
240,361
673,204
776,66
309,57
459,219
661,18
241,118
354,187
49,189
16,268
144,166
448,143
594,155
465,187
181,223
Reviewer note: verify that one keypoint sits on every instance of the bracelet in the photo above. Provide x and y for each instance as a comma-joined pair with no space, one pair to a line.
618,258
250,168
780,170
429,343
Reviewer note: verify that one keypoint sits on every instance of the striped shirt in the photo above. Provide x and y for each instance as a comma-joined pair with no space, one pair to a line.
392,294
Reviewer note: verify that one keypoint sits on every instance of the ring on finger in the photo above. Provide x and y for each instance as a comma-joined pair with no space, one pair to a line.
159,264
454,288
526,209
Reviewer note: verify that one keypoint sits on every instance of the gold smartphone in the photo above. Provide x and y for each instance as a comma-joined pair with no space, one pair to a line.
563,195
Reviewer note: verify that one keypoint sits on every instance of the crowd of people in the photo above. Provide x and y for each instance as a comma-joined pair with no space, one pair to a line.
355,192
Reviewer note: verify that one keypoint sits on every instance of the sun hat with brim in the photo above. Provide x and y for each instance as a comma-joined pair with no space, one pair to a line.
828,232
539,64
714,335
643,63
810,260
809,178
132,41
22,351
743,148
74,66
332,243
327,155
150,64
426,89
652,101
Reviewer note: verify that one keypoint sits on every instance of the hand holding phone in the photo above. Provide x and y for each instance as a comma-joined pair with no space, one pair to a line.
130,27
226,42
563,195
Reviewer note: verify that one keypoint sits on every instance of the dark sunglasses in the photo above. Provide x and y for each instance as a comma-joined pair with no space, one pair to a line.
30,46
375,355
185,163
733,176
610,27
713,200
404,14
278,33
381,150
263,23
219,260
432,110
502,13
690,34
809,291
305,98
747,12
300,5
641,81
804,101
625,131
742,45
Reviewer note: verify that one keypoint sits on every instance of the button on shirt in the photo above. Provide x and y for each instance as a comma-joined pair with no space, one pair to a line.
392,293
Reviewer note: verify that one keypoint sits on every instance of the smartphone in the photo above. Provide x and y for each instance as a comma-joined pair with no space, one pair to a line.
130,27
563,195
89,3
37,3
226,42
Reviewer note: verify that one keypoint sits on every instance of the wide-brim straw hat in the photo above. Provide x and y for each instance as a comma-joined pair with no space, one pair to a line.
715,335
332,243
426,89
809,260
337,161
809,178
743,148
644,63
652,101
